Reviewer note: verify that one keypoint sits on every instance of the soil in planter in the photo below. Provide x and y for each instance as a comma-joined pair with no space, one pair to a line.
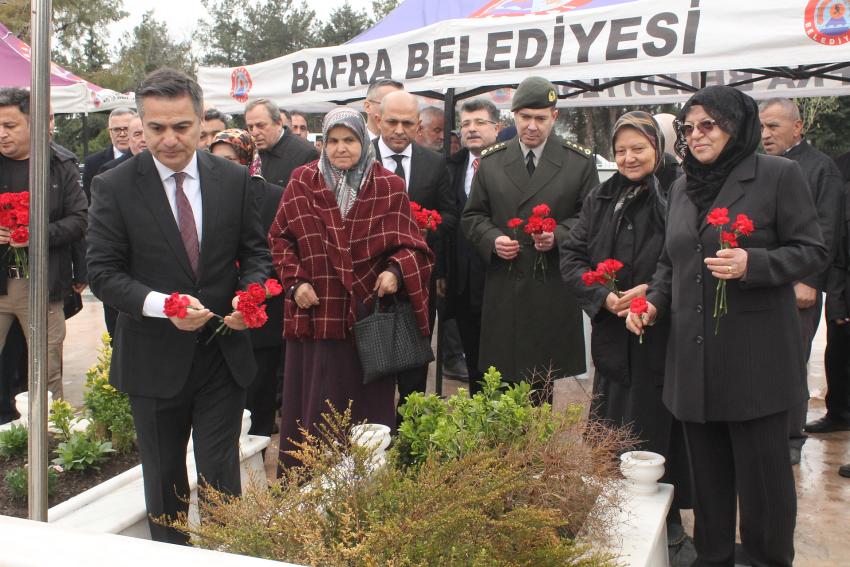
68,484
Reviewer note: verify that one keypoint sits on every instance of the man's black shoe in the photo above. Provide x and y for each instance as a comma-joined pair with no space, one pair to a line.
825,425
844,470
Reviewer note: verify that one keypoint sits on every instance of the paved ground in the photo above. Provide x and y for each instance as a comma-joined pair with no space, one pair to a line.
823,496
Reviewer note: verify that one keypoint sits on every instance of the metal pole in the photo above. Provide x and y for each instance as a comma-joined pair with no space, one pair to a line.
38,250
85,131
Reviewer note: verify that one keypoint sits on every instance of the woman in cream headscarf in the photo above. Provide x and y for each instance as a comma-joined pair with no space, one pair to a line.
344,234
624,218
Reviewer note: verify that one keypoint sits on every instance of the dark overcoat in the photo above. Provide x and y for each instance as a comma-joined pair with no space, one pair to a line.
755,365
528,322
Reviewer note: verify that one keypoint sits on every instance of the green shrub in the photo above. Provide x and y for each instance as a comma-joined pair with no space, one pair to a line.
518,503
13,442
108,409
81,452
60,417
17,482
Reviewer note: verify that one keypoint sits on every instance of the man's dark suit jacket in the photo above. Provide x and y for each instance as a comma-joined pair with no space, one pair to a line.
134,247
92,165
280,161
268,198
429,187
466,268
113,163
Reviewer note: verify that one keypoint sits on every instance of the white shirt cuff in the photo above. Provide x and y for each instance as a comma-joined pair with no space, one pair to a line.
154,305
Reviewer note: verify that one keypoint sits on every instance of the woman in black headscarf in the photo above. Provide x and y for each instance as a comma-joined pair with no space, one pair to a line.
732,384
623,218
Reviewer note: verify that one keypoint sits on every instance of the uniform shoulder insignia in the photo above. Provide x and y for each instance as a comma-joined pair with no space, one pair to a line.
581,150
493,149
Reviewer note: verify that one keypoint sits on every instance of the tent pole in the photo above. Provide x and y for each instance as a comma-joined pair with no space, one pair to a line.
39,171
448,126
85,135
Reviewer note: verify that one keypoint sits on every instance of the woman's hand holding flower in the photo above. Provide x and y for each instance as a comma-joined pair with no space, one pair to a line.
729,264
636,323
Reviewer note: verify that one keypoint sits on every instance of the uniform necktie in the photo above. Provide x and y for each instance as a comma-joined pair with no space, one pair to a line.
399,169
529,163
475,163
186,223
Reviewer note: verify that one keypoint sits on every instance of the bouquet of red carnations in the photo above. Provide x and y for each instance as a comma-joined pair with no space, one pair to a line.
251,303
605,275
15,215
538,223
426,219
743,226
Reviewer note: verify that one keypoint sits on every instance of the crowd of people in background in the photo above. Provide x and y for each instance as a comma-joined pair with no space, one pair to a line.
182,201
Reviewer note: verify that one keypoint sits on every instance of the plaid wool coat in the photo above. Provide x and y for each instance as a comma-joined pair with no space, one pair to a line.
342,257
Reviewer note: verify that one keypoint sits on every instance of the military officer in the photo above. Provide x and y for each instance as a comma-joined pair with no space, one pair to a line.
530,322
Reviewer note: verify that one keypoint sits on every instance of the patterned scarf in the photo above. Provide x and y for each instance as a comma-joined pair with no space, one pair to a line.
345,184
244,146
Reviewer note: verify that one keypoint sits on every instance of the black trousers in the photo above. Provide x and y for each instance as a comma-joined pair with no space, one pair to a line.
469,325
747,460
210,406
809,321
14,365
837,363
261,399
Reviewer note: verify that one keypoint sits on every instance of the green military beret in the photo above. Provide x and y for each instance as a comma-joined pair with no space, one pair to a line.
534,92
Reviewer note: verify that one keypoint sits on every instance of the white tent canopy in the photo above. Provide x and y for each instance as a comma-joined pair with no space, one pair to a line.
599,52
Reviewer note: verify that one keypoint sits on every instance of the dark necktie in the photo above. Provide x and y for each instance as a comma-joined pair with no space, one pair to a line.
529,163
186,223
399,169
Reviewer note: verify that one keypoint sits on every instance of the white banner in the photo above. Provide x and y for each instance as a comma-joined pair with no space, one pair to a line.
627,39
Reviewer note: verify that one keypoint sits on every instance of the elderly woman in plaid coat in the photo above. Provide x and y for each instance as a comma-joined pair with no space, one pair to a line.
344,235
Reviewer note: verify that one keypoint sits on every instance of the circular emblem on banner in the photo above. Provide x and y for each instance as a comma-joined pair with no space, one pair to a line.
828,21
240,84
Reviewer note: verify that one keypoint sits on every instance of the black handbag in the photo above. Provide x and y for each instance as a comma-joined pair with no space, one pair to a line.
73,304
389,342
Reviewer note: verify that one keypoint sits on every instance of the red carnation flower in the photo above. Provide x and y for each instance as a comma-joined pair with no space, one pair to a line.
20,235
176,305
541,210
609,267
729,239
549,224
515,223
591,277
638,305
718,217
534,225
744,225
254,315
255,293
273,287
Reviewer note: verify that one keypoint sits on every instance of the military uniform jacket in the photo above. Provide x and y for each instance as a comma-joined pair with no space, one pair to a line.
528,323
754,366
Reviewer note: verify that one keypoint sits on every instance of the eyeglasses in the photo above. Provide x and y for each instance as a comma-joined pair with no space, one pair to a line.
704,126
120,131
479,123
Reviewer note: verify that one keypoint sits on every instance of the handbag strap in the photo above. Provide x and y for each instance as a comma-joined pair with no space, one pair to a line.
377,307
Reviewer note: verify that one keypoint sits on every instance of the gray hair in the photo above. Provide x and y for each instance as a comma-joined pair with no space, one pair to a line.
476,104
430,113
170,83
16,97
788,106
271,108
122,111
375,85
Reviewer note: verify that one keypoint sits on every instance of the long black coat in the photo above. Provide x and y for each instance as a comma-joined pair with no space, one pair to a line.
637,241
527,323
268,198
289,153
755,365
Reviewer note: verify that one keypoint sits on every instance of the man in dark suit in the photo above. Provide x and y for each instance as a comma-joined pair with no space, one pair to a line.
119,135
137,146
479,126
782,135
427,180
281,151
177,220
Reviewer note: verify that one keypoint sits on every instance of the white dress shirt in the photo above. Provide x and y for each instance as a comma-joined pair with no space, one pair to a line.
387,158
116,152
470,172
155,300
